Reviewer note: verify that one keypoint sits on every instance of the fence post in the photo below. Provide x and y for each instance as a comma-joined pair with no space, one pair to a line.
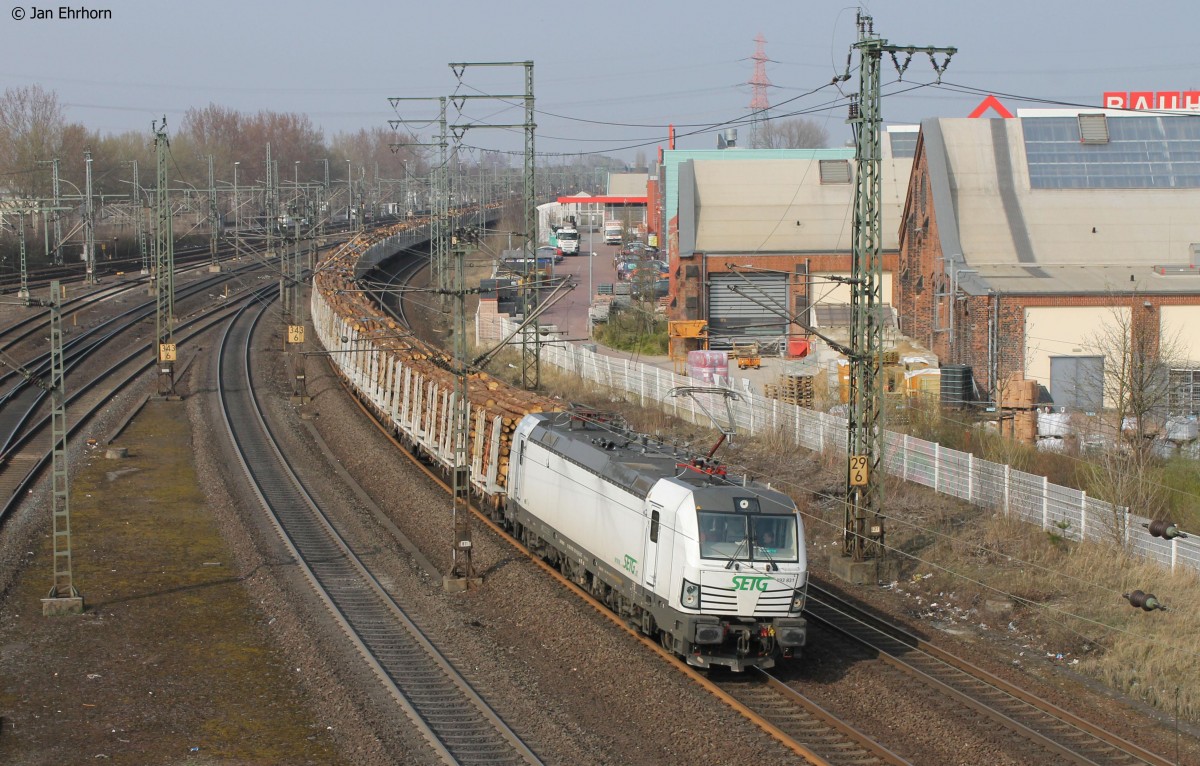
1045,503
1007,487
970,477
1174,552
937,465
1083,515
904,458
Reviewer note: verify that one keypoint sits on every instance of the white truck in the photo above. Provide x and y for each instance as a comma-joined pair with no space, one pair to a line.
613,232
568,239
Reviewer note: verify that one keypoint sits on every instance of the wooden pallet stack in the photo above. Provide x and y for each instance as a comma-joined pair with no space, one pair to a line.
793,389
1020,395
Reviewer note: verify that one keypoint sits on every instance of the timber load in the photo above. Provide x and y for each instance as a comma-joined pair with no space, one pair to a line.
408,382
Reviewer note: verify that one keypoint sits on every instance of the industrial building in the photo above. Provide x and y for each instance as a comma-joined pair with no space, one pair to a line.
758,238
1025,243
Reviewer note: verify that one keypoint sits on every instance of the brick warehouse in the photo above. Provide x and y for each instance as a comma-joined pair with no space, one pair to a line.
1021,239
775,225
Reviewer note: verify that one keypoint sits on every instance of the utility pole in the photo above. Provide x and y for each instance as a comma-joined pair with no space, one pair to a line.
140,219
530,347
462,568
214,217
324,201
439,225
56,216
270,204
863,532
89,224
23,293
164,269
58,260
237,223
63,597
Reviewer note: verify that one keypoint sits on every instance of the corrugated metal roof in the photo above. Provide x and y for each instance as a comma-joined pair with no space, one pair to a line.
673,157
1022,240
781,205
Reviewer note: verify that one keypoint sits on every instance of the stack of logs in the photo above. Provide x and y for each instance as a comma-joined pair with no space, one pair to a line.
490,399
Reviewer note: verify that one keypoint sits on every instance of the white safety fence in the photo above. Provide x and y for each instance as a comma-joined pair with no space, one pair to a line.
1069,513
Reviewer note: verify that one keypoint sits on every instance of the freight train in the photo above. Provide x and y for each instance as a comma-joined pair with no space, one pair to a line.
712,565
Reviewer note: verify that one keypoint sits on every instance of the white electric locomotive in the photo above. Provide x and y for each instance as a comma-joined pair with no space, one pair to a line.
711,564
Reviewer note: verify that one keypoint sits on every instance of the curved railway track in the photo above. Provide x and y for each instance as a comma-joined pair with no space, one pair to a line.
1065,736
22,399
456,722
185,258
29,453
808,730
789,716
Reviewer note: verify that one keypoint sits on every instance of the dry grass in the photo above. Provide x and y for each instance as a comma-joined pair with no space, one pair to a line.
171,652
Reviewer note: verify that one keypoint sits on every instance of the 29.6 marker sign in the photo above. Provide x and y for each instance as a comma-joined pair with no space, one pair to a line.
858,470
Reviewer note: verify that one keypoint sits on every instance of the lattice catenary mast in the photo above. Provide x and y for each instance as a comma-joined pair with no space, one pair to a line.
863,535
758,101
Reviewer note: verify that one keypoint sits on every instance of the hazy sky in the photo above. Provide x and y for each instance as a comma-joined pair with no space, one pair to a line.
640,65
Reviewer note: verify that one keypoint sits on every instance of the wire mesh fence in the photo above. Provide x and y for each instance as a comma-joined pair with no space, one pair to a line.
1067,513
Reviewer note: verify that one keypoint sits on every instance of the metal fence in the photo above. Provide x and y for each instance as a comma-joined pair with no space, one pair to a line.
1068,513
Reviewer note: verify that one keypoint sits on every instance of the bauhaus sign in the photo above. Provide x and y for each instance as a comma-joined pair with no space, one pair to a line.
1153,99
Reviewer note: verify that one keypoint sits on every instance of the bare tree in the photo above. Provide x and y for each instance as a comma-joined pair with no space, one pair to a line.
796,133
31,124
1136,389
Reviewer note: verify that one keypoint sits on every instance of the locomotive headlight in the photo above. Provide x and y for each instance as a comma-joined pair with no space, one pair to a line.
797,601
691,595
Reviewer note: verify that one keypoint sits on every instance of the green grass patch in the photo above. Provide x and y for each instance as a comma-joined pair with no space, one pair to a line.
637,329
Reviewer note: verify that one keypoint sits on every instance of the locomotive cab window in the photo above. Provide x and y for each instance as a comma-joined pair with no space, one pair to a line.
775,538
723,535
748,537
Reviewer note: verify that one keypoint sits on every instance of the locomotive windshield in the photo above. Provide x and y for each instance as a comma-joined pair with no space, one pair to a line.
743,537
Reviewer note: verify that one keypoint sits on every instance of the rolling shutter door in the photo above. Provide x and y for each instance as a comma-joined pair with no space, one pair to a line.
751,314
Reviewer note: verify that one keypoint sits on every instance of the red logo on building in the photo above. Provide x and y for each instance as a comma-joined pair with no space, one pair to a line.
1153,99
991,102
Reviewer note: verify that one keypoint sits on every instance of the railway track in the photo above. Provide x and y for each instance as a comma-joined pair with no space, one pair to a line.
458,724
23,397
1063,735
29,452
1055,732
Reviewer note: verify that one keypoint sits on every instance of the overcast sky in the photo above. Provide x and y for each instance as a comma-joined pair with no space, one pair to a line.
608,77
